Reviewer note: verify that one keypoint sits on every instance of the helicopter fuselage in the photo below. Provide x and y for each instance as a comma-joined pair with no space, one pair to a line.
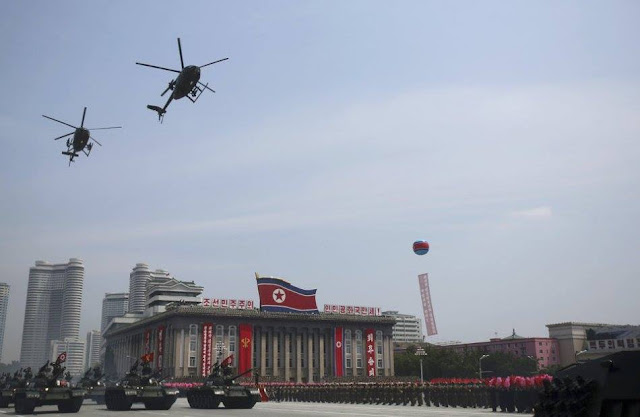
80,139
186,81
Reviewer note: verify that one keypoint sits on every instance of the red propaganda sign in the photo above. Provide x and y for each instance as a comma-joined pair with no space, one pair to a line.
205,361
160,348
370,349
246,347
147,341
357,310
215,302
339,351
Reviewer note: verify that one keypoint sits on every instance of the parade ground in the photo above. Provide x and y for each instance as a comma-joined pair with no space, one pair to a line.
181,409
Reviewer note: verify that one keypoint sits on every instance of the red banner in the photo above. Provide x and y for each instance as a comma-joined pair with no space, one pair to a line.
147,341
338,351
370,349
160,348
205,360
246,347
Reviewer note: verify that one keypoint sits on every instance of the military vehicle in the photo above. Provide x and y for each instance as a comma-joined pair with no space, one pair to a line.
143,387
10,383
609,386
47,388
221,387
92,382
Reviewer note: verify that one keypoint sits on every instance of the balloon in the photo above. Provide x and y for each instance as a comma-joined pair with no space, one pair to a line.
420,247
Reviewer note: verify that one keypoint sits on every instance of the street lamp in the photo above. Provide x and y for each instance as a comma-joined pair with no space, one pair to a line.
420,352
480,363
535,360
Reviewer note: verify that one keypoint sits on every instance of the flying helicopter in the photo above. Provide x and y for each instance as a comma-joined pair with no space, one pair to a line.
81,137
186,84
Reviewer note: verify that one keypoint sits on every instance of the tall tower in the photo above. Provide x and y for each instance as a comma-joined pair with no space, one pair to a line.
138,282
52,311
4,303
92,356
113,305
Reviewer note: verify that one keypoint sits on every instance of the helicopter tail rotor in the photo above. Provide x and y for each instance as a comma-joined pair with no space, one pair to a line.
159,110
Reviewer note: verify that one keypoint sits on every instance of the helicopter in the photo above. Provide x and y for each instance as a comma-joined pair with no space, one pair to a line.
81,137
186,84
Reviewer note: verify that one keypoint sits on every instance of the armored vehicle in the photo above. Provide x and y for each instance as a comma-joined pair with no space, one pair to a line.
47,388
10,383
92,382
219,387
143,387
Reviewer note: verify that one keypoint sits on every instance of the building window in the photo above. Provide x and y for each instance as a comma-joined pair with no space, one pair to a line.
347,349
193,344
540,350
219,342
359,349
232,344
379,351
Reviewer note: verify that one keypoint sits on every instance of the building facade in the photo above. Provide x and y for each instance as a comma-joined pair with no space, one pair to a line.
295,347
4,305
138,281
162,291
544,351
408,328
584,341
75,350
113,305
92,355
52,311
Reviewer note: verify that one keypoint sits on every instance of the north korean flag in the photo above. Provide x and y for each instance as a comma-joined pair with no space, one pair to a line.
278,295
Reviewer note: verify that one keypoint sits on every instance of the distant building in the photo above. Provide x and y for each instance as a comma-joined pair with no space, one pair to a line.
408,329
92,355
165,290
584,341
113,305
4,304
75,349
544,351
52,311
138,281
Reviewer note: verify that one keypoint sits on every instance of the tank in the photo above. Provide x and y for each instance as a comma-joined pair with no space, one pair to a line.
609,386
92,382
9,384
140,388
221,387
47,388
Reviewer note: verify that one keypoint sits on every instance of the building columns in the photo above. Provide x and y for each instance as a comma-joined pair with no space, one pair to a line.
287,356
321,355
274,338
263,352
298,358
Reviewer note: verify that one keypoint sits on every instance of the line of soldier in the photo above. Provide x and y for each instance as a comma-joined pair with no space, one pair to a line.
468,395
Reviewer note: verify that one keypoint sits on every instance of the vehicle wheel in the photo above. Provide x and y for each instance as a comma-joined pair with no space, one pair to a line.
71,406
24,406
4,402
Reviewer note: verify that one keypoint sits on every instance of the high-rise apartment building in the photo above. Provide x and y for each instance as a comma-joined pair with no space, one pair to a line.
53,306
92,356
4,304
113,305
75,349
407,328
138,282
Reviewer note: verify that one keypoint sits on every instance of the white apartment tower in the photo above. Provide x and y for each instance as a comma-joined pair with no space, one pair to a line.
113,305
407,328
4,304
52,312
138,282
92,356
75,349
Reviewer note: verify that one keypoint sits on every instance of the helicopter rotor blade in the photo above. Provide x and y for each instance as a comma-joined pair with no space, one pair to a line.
93,139
213,91
214,62
56,120
63,136
103,128
180,49
155,66
83,114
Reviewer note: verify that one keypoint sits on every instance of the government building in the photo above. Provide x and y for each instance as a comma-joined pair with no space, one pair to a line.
188,339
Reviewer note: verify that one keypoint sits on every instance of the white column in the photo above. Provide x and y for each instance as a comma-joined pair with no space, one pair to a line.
298,358
287,356
274,339
321,354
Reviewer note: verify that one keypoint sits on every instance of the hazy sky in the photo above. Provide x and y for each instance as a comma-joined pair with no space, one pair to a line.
504,133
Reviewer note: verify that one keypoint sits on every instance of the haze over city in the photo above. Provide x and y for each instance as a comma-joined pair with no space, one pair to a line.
505,134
